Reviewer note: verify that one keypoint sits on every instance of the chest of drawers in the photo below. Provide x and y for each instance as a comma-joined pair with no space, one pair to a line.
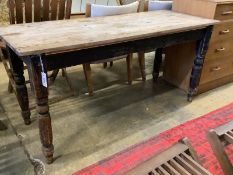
218,64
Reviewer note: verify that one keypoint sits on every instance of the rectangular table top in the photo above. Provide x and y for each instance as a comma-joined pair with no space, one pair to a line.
75,34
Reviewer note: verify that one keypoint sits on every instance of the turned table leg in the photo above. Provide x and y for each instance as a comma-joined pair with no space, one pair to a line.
21,89
202,46
157,63
41,92
45,128
141,60
129,59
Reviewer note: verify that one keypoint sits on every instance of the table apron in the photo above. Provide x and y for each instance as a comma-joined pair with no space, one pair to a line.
72,58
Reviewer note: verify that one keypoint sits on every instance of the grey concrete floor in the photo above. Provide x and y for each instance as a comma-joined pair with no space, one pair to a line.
13,159
89,129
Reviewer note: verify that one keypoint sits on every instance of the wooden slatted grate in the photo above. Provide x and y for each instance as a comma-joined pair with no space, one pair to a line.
219,138
176,160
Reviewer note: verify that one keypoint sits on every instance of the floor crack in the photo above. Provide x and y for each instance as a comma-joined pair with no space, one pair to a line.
39,166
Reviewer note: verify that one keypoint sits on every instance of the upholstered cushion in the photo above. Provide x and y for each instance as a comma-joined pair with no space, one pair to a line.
125,2
159,5
102,10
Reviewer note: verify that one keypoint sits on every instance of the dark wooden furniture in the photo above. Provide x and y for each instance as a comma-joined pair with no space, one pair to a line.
129,57
141,55
28,11
179,159
44,46
218,64
36,11
219,138
143,7
3,58
158,53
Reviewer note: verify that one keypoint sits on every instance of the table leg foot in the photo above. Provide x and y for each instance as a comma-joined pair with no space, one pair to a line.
45,129
111,63
26,117
48,153
155,76
189,98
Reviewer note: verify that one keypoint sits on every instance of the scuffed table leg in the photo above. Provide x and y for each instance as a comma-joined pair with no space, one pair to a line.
21,89
202,46
157,63
41,93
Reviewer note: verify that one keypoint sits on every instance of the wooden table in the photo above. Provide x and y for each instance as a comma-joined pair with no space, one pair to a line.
53,45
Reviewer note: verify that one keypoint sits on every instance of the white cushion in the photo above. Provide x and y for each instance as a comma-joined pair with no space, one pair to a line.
102,10
125,2
159,5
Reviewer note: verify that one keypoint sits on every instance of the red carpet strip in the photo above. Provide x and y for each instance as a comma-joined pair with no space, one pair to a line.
195,130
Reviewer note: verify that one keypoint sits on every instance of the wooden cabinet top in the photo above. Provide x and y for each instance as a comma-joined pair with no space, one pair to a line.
218,1
215,1
205,8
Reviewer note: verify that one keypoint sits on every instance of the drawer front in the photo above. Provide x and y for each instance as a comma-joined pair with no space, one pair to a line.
222,31
224,11
219,49
216,69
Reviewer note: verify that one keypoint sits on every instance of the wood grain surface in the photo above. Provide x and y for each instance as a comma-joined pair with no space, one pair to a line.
64,35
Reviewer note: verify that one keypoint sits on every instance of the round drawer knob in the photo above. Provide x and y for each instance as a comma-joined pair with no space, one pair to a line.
220,49
216,68
227,13
224,31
